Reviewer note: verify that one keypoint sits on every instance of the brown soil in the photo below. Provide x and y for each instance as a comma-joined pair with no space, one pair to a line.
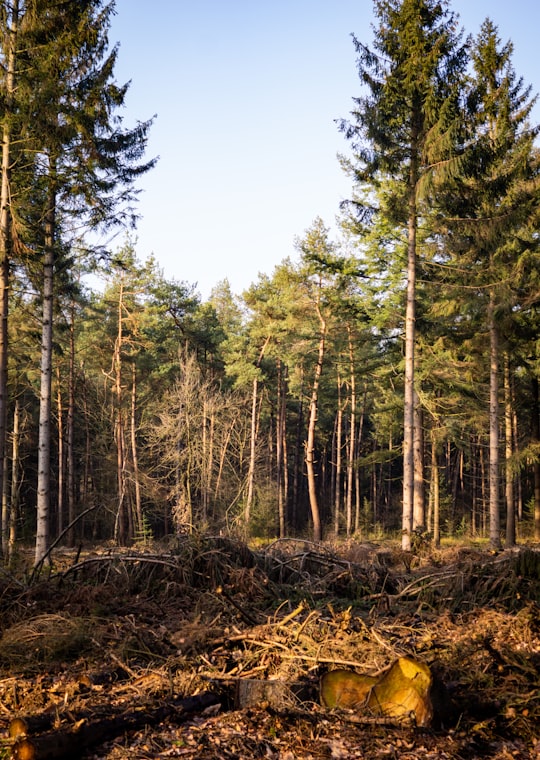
106,645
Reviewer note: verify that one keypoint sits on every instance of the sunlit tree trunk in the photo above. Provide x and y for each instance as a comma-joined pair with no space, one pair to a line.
535,434
352,438
9,86
134,453
338,457
310,443
61,453
510,539
494,515
44,442
15,480
419,510
70,430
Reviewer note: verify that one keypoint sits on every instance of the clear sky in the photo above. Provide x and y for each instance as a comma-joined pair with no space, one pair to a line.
246,94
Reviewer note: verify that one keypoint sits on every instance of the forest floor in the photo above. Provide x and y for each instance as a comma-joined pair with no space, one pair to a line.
211,649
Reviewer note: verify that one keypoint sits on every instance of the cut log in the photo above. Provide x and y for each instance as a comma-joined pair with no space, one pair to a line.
346,689
71,741
403,692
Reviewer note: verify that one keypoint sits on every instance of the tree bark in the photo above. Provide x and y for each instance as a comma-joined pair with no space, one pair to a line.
494,515
510,540
44,442
310,443
5,223
410,338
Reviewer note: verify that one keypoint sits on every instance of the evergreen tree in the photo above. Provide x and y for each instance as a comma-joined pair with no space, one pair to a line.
490,210
402,129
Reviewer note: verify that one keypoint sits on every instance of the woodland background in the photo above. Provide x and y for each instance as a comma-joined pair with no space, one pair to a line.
131,409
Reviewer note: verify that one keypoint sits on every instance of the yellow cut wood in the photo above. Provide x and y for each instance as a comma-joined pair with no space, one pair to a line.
346,689
403,691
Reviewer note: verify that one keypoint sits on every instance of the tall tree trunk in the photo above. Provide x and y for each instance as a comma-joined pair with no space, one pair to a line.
419,510
410,338
435,491
535,434
122,523
44,442
310,443
352,440
5,221
15,480
337,469
61,454
281,448
252,454
134,454
510,540
494,515
70,431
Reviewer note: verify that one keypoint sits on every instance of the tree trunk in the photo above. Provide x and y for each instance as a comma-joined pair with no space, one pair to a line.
5,221
121,525
70,432
310,444
134,455
352,440
281,448
61,455
44,442
15,480
337,468
252,453
419,510
494,516
535,434
510,540
410,337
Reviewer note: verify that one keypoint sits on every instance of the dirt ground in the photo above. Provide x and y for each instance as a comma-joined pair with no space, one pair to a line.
210,649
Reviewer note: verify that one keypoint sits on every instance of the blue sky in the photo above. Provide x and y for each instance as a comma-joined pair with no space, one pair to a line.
246,94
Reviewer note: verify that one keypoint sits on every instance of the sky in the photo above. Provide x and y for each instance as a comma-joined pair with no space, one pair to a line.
246,95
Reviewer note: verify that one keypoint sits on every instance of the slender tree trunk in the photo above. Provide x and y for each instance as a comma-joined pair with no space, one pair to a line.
435,495
122,523
134,454
9,85
61,454
252,454
310,444
352,440
535,434
70,431
337,468
15,480
419,511
44,442
510,540
410,339
281,448
494,515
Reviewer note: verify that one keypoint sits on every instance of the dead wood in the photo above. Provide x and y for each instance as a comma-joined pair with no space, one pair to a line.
82,734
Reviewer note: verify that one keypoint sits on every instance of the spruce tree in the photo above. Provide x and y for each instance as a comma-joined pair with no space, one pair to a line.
403,129
490,208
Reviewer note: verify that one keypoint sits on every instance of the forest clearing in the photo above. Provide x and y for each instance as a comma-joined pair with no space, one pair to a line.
212,649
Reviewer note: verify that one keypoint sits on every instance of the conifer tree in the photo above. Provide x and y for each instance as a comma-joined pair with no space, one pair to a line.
490,207
402,129
84,165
